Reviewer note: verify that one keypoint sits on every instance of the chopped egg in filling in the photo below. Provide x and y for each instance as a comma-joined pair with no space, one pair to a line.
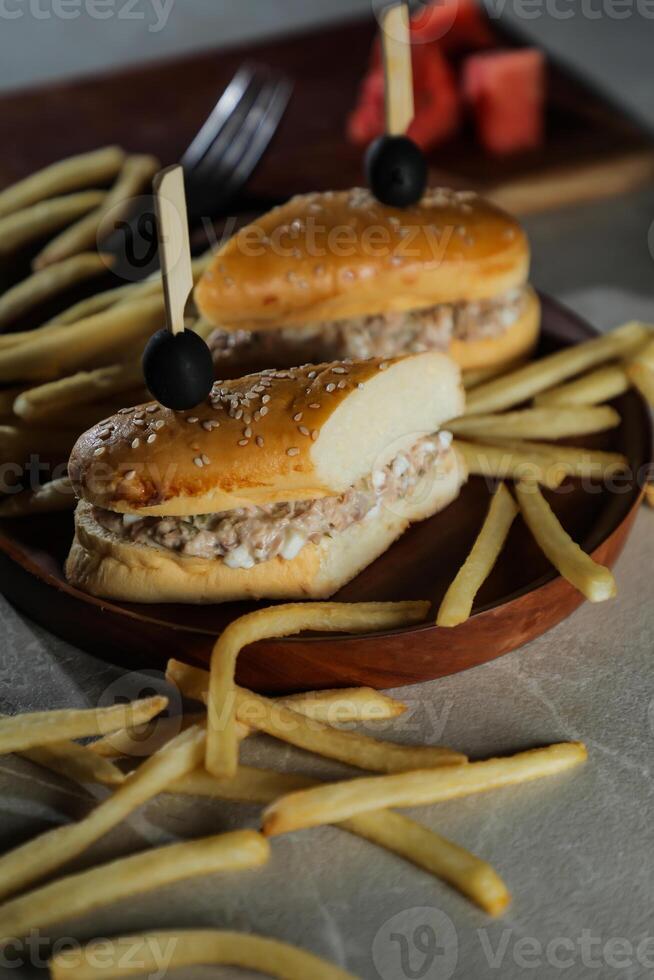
243,537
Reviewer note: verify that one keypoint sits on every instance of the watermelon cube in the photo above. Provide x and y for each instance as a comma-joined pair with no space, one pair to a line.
506,91
437,102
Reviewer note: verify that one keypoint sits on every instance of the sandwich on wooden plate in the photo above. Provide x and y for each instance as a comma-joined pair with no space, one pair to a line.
340,275
283,484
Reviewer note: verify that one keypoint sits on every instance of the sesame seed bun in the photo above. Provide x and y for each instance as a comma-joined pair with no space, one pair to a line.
106,566
339,255
287,435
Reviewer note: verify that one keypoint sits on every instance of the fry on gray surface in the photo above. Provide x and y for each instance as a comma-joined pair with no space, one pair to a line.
98,887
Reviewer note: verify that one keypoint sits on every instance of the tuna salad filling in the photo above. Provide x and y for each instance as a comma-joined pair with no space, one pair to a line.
384,335
243,537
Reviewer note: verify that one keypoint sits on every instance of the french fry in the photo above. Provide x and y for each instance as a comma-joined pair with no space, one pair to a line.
473,378
279,621
521,385
54,497
8,340
33,434
75,762
592,389
456,606
122,294
17,443
193,682
22,227
82,417
7,398
537,423
649,494
100,302
87,343
594,581
356,704
473,877
396,833
28,731
576,460
40,856
360,751
41,286
98,887
77,389
336,802
249,785
496,462
130,741
138,955
85,170
359,705
640,371
470,379
136,174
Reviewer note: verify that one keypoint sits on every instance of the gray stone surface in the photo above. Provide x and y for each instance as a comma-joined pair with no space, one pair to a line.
577,851
48,39
609,42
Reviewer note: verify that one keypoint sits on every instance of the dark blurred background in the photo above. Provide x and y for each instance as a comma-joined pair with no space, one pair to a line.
611,40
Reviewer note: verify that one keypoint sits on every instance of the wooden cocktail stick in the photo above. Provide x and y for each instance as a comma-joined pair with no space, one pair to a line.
398,70
395,166
177,364
174,244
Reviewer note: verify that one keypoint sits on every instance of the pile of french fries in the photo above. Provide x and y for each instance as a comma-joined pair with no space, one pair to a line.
197,755
62,377
498,441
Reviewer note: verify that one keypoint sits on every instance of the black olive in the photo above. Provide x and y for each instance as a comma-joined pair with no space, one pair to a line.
178,369
396,170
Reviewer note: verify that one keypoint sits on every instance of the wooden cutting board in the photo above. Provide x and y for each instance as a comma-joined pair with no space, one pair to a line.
591,150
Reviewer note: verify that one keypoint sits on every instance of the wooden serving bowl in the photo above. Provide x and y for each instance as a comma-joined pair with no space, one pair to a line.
522,599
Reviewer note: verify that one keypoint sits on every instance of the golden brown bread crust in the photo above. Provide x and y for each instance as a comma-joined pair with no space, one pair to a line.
267,437
338,255
108,567
505,348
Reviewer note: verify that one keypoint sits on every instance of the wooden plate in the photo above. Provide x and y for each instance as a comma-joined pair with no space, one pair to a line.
521,600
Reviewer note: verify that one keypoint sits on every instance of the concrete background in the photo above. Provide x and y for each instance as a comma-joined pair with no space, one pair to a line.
37,43
609,41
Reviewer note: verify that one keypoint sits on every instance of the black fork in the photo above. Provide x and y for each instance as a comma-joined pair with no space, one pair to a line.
217,165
